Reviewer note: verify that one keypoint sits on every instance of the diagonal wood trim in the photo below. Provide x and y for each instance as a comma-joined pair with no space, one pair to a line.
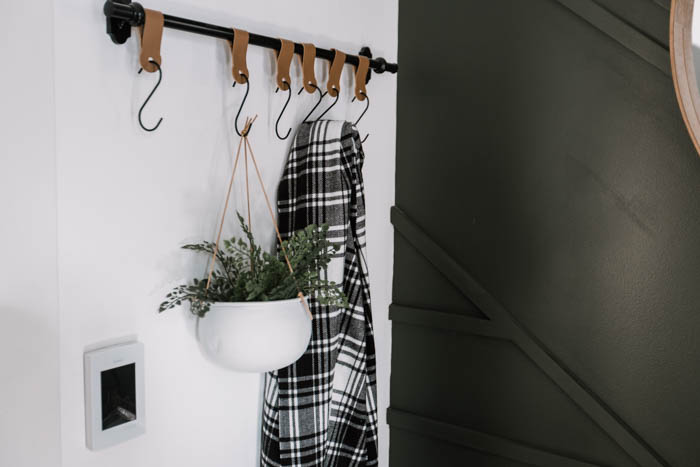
480,441
622,32
589,402
444,321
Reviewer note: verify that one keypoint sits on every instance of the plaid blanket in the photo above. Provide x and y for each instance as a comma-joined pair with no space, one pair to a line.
322,410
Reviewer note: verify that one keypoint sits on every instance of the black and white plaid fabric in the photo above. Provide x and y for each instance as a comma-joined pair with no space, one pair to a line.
322,410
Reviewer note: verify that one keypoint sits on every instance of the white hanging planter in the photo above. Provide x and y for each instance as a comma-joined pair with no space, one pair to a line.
255,337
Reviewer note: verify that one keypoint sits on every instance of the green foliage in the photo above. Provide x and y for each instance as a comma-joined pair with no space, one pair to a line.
243,272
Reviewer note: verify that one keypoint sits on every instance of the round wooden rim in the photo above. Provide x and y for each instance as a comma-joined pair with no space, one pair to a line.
683,68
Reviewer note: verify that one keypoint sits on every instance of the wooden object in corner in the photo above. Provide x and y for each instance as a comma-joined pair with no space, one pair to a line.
683,67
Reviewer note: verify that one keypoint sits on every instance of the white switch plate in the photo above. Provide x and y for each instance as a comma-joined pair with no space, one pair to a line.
120,368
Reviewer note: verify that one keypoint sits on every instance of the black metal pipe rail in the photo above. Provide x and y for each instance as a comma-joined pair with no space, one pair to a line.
123,14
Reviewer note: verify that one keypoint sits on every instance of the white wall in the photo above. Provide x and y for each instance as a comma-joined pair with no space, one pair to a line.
29,401
127,199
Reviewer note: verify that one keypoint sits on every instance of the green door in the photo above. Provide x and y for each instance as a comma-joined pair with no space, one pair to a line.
546,304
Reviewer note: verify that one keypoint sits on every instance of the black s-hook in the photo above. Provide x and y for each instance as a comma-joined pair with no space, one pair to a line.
337,96
320,98
277,124
363,112
160,78
247,89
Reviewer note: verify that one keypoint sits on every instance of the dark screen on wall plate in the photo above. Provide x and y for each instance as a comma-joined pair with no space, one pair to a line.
118,396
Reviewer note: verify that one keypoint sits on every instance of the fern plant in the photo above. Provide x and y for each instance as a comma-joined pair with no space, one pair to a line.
244,272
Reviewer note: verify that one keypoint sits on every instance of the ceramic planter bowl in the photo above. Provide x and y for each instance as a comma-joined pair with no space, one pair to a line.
255,337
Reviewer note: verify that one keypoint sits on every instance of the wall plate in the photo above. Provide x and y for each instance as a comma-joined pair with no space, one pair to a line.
114,395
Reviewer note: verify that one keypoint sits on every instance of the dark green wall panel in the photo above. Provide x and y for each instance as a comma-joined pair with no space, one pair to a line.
551,162
489,385
649,16
429,288
421,452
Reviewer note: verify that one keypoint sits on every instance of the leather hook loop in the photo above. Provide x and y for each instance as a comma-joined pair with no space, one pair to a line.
361,78
284,61
308,68
151,36
239,49
336,70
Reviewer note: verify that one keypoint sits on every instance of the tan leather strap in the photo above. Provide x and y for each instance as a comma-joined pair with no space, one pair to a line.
244,135
361,78
249,148
333,85
284,60
228,197
151,35
277,229
247,187
307,66
239,50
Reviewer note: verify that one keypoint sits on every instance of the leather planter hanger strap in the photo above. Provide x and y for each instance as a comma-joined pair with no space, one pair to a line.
284,60
361,78
248,149
151,35
308,68
333,85
239,49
